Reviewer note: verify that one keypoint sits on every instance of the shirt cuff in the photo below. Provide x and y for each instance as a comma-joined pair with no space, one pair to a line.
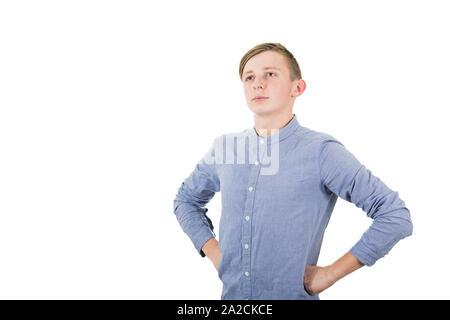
364,254
201,238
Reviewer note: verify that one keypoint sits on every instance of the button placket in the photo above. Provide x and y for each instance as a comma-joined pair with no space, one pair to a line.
247,221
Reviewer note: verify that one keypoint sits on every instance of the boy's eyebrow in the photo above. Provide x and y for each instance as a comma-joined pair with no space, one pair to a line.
265,68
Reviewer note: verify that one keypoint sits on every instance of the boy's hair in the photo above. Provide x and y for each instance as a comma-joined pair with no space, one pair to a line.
294,69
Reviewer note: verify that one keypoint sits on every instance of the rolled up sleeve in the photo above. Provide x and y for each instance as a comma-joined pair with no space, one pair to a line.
192,196
343,175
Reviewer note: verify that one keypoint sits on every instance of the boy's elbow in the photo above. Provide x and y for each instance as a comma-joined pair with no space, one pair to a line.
407,228
403,223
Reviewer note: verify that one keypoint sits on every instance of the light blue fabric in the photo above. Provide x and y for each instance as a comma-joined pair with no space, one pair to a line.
272,225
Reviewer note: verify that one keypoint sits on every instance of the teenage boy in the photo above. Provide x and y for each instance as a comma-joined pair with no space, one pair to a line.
275,209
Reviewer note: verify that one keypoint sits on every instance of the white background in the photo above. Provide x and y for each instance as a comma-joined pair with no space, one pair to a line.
106,106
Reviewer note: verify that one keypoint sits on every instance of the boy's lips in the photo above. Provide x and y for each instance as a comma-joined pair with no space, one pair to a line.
260,98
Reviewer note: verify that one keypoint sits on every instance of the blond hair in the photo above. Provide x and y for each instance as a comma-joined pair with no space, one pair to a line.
294,69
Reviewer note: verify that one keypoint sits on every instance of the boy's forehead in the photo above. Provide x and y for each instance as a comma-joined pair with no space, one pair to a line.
265,60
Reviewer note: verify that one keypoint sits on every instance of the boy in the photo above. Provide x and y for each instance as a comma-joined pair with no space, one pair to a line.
274,217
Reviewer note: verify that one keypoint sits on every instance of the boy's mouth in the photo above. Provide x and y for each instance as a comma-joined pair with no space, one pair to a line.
259,98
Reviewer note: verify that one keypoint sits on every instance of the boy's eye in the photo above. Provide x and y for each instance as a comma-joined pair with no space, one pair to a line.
252,76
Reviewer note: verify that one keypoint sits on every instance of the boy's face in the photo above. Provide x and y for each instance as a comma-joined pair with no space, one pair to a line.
267,75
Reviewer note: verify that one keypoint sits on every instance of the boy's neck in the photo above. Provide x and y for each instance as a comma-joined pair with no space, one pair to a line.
264,124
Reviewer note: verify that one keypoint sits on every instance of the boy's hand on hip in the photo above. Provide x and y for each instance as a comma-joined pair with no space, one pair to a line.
212,251
316,279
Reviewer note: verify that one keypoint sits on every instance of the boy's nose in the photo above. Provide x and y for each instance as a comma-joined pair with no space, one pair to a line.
259,83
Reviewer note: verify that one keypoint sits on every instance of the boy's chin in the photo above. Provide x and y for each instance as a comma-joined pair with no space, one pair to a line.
262,110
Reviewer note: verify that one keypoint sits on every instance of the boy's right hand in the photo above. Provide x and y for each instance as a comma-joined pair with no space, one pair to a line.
212,251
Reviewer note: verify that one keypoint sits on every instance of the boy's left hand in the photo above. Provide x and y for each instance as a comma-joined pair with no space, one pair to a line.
316,279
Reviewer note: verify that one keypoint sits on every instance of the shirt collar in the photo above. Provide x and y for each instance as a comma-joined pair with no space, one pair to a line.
283,133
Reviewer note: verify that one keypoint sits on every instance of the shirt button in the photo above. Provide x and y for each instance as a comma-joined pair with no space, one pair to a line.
256,163
246,246
247,218
250,189
246,273
261,141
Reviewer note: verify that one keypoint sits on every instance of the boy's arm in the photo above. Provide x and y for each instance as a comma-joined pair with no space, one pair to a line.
212,251
343,266
343,175
192,196
317,279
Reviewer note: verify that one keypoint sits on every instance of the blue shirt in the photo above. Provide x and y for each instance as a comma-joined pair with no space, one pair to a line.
273,222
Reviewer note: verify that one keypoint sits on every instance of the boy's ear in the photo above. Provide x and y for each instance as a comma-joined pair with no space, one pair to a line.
300,86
